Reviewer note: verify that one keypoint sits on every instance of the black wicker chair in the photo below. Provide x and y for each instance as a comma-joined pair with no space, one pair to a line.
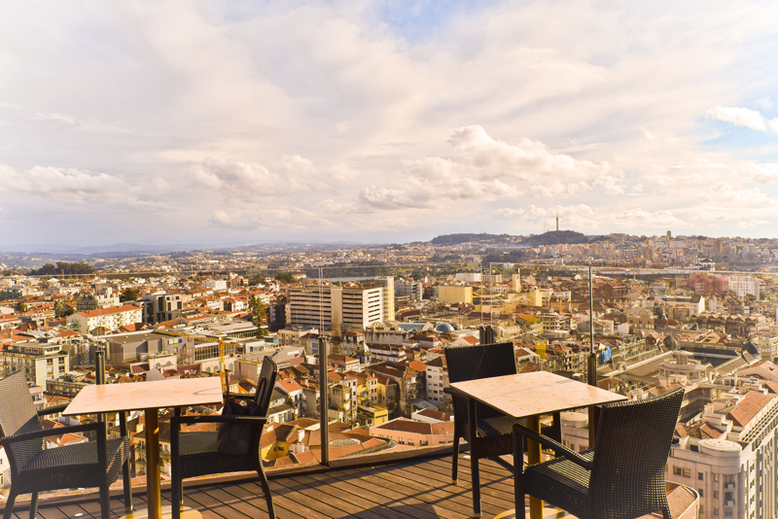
197,453
622,478
36,469
487,431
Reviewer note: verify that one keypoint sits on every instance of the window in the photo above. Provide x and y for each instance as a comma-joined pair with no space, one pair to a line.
715,494
700,476
715,510
715,477
677,471
699,490
728,512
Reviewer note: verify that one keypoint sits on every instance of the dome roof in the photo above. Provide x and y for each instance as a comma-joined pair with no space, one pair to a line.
444,327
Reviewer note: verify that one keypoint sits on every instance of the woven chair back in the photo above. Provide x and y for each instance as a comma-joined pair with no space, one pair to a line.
18,415
633,442
265,385
476,362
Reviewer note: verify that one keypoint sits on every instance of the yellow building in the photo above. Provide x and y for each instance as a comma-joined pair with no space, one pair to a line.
276,440
455,294
372,415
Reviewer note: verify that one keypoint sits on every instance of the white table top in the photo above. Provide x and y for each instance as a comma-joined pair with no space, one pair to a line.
107,398
535,393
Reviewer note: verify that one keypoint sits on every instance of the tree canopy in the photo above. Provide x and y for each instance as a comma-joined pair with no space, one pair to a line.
64,268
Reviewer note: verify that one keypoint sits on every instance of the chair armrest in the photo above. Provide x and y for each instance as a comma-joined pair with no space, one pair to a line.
53,409
521,431
97,426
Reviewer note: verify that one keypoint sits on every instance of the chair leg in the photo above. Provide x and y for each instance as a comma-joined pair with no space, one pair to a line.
269,498
455,459
476,480
127,484
519,494
33,505
176,496
9,504
666,513
105,502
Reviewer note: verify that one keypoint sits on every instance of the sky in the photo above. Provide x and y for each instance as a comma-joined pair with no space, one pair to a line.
232,123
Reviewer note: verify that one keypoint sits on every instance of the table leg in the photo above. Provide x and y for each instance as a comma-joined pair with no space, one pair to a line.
533,456
154,493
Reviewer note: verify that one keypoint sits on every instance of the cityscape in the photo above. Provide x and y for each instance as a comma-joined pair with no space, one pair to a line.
667,311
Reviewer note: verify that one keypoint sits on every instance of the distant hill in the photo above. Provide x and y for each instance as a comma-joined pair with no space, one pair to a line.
556,237
456,239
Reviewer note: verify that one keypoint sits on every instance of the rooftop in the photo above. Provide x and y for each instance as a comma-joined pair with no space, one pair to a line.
415,488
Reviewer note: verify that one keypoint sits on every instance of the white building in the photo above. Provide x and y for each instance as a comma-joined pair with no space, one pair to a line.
353,309
468,277
745,286
215,284
733,465
108,318
437,380
39,361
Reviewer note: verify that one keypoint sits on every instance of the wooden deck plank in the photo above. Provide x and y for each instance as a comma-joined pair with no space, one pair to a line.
496,481
281,499
458,496
349,502
385,496
356,495
410,489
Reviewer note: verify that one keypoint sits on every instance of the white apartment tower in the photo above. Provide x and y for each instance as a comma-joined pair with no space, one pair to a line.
354,308
745,286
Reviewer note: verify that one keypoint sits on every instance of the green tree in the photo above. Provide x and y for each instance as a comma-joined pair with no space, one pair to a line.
21,307
284,276
258,315
128,295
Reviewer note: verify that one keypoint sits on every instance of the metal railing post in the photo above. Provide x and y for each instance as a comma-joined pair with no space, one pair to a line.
591,367
100,375
324,401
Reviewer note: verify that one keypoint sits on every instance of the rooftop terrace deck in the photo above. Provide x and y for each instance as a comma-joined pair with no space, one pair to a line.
417,488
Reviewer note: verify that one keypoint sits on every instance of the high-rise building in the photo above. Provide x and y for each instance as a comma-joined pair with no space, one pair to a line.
352,308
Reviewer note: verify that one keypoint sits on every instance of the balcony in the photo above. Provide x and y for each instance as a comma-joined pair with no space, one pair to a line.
416,488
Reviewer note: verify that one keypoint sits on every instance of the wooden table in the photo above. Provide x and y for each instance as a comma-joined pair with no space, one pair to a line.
529,395
148,397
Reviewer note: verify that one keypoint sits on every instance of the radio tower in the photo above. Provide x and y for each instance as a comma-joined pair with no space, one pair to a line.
557,220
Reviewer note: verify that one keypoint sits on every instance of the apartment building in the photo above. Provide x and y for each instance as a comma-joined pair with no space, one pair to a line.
102,297
437,381
409,290
734,473
350,308
743,286
161,306
106,318
455,294
38,361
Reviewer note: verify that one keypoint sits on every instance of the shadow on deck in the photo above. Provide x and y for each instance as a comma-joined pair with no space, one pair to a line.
417,488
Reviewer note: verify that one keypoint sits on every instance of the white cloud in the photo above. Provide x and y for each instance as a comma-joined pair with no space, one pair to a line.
610,184
294,219
74,186
723,194
342,172
250,181
525,160
744,117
